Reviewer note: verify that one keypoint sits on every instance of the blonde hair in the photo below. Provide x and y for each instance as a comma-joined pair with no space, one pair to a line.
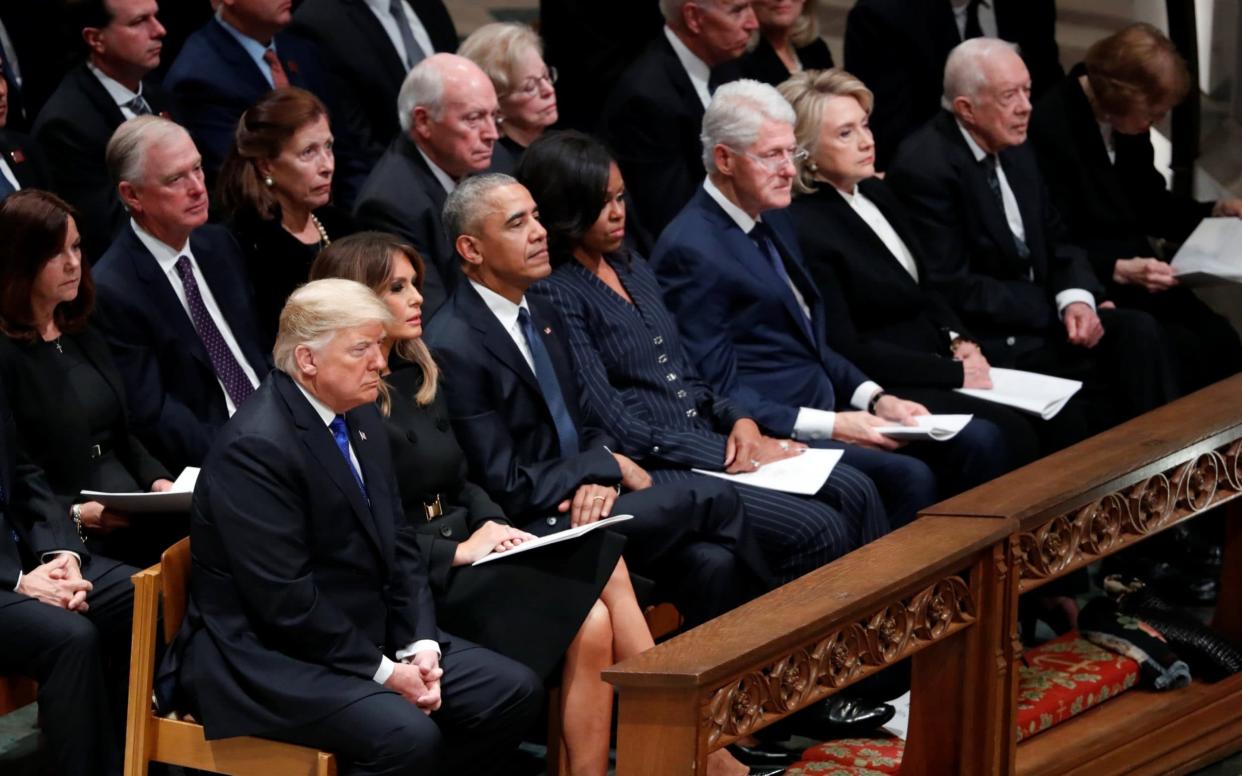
808,92
316,311
806,27
495,48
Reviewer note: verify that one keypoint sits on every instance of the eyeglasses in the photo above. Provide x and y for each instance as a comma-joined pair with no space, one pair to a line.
774,160
530,87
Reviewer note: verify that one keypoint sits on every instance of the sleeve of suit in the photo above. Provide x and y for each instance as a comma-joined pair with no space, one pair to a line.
520,488
257,503
636,433
935,204
702,316
152,410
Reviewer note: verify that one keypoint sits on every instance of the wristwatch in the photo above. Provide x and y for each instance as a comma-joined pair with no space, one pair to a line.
875,399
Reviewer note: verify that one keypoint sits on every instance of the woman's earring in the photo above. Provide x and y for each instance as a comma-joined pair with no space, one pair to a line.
267,181
811,166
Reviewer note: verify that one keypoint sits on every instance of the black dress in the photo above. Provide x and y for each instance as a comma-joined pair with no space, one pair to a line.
764,64
69,406
277,262
528,607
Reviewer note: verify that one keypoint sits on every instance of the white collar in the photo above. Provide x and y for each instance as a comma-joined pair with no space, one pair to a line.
505,311
119,92
324,412
164,254
848,196
975,148
443,177
739,216
700,74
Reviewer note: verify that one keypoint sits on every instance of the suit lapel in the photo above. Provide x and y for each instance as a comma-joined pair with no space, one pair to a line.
496,339
362,435
226,290
98,96
163,298
371,35
991,211
1026,191
878,195
244,68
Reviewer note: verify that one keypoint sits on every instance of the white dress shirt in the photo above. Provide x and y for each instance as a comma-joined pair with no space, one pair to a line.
386,20
385,669
873,217
696,68
1014,217
987,18
1107,133
166,256
507,313
119,92
443,177
811,423
7,172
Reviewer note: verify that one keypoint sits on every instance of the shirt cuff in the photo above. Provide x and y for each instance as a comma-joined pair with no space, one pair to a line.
384,671
863,393
1071,295
814,424
422,645
19,582
49,555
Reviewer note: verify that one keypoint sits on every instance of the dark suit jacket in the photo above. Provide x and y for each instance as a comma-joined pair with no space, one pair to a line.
175,400
501,418
895,328
55,432
898,48
652,121
763,64
741,325
1111,209
402,196
45,51
367,71
298,584
969,249
73,130
23,157
214,81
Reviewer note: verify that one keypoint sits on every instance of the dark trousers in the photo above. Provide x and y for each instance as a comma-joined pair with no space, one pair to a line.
489,702
1204,346
80,662
905,483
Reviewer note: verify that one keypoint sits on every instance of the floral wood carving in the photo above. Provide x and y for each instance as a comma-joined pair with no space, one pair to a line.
1078,537
816,670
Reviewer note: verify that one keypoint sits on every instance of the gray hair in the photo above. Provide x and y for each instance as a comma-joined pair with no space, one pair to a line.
316,311
671,10
423,85
464,207
966,69
126,154
737,112
495,48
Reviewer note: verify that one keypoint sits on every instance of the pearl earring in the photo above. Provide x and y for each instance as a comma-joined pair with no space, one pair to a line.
267,181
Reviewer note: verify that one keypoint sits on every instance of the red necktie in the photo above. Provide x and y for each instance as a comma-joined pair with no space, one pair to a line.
279,79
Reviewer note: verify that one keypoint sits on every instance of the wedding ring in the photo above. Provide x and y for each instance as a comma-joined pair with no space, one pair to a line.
754,462
599,498
784,445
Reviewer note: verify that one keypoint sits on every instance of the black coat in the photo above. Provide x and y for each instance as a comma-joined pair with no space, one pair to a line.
365,68
25,159
1110,209
879,317
763,63
898,48
175,400
298,585
968,247
73,130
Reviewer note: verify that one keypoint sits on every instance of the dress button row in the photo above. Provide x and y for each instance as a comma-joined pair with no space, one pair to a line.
672,378
692,413
658,341
681,394
663,359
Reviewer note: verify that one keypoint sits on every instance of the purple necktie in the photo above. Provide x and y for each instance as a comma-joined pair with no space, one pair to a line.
236,384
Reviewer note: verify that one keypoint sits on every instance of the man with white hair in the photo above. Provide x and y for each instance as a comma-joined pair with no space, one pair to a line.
994,246
752,319
447,109
652,117
308,620
173,298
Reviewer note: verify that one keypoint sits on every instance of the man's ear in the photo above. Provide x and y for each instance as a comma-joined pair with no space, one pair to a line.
93,38
305,359
692,16
129,196
964,109
420,122
469,250
723,159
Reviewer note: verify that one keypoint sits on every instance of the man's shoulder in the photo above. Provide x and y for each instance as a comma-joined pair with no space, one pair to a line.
398,179
71,99
929,150
695,225
648,79
202,44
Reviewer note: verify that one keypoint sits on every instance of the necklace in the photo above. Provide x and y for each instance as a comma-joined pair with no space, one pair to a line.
59,349
323,233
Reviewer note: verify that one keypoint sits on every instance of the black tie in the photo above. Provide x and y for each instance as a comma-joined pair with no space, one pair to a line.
973,28
990,163
545,375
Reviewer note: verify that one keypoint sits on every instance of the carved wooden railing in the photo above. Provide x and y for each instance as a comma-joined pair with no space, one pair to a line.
945,590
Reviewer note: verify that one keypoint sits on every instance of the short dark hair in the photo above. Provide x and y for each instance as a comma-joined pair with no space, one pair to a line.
33,225
88,13
566,173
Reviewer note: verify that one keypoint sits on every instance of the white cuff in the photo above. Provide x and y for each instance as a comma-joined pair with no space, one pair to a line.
1071,295
49,555
19,582
384,671
863,393
422,645
814,424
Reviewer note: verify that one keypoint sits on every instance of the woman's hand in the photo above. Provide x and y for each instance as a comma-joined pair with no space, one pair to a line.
490,537
98,519
1152,274
976,372
161,486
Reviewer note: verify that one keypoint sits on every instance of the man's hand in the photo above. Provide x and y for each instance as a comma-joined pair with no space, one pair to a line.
98,519
1152,274
58,583
964,348
1231,208
976,372
633,476
161,486
898,410
490,537
428,663
407,679
589,504
1082,325
858,428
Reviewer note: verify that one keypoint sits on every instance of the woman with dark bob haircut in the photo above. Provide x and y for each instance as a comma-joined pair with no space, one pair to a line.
624,341
275,188
67,396
569,606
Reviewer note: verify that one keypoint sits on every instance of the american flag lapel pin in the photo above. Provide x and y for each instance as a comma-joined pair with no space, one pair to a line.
17,155
362,435
292,67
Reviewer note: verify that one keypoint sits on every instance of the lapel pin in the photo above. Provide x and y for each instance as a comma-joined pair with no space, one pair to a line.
362,435
17,155
292,67
547,329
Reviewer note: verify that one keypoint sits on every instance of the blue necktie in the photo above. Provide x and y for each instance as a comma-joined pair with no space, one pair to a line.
341,435
545,373
761,234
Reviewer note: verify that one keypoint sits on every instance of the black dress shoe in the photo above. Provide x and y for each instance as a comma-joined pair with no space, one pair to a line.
764,755
841,717
763,770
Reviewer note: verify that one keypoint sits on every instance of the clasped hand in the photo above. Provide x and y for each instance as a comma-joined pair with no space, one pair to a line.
418,681
58,583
